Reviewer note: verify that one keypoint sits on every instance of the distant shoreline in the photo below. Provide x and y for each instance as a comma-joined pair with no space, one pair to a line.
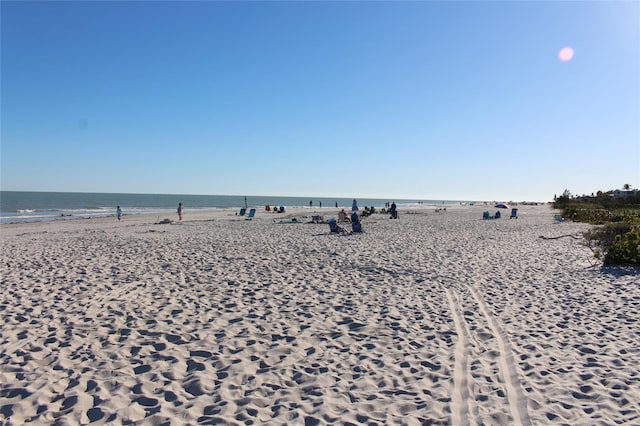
22,206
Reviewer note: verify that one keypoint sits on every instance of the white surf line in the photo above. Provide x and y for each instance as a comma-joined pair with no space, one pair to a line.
460,395
515,397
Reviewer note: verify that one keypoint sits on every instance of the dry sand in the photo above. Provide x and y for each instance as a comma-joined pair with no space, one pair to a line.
435,318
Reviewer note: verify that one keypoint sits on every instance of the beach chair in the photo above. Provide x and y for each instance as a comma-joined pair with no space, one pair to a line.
281,209
356,226
335,228
242,211
251,214
486,215
514,214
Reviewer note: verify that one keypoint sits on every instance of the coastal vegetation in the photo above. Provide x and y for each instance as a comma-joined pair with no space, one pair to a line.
615,240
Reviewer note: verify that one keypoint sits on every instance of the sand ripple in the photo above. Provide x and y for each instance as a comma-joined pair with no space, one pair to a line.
432,319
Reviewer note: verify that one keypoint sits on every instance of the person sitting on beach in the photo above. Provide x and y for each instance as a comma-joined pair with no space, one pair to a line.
342,216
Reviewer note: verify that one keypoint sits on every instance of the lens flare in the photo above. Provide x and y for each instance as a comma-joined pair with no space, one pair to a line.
565,54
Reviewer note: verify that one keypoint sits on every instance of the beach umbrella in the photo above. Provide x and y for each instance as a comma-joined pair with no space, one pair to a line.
354,206
502,206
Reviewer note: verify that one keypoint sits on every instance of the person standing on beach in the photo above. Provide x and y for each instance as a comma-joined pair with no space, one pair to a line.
180,210
394,211
118,212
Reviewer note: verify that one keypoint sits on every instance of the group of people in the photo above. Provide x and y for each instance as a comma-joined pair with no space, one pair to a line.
275,209
320,203
367,211
342,215
356,225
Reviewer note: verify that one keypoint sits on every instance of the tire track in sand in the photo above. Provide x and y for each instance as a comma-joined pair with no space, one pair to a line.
460,396
464,404
515,397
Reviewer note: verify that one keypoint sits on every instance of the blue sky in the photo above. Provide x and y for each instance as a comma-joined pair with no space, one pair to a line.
425,100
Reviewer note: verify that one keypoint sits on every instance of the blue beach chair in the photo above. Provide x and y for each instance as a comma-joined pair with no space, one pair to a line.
335,228
242,211
356,226
252,213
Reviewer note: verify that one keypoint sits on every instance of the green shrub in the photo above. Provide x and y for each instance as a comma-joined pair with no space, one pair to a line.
619,242
600,216
625,249
595,216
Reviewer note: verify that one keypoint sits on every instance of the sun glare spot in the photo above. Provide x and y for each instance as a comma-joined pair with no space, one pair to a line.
565,54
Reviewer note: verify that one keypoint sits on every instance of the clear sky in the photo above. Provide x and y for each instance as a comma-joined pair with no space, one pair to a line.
426,100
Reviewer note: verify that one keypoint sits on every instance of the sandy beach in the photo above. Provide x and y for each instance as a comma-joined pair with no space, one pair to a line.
435,318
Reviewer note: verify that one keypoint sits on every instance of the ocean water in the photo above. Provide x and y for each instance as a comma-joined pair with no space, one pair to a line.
18,206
